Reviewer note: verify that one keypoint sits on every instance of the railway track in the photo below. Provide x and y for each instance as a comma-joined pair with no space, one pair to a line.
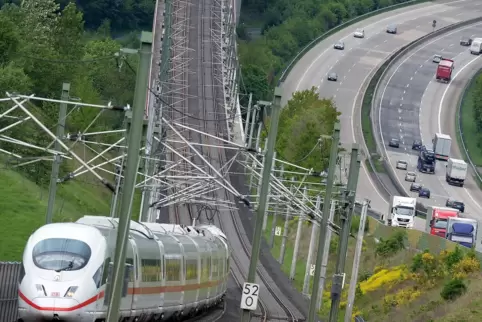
210,108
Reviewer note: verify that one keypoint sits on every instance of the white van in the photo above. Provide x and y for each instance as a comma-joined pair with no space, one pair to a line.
476,47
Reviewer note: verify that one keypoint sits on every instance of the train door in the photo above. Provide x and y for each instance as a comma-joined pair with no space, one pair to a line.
134,275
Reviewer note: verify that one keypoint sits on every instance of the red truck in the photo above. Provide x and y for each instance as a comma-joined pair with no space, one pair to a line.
437,218
444,70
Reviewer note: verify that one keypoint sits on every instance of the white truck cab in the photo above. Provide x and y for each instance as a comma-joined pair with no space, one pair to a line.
401,212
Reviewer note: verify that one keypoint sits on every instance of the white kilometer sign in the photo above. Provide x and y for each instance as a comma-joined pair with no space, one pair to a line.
312,270
277,231
249,299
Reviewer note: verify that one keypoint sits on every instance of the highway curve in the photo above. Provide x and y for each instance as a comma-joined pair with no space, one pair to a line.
363,56
415,106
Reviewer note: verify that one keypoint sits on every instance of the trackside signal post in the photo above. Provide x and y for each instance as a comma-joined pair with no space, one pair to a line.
324,220
250,288
54,176
130,174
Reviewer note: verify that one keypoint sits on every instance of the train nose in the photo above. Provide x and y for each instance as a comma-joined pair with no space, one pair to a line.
55,308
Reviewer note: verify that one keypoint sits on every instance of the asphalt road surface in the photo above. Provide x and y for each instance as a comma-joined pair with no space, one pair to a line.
414,106
363,56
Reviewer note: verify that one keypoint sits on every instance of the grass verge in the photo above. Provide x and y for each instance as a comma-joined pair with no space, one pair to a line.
395,283
24,205
467,126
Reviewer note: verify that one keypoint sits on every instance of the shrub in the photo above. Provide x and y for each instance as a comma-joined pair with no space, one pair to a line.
465,267
452,258
355,225
453,289
392,245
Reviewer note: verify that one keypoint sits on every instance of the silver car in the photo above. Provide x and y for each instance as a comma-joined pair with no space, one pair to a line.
339,45
359,33
402,165
410,176
437,58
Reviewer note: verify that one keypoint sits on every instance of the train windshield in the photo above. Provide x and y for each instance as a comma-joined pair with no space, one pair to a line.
61,254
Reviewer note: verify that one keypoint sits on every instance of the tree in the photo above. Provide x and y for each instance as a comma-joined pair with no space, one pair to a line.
9,39
303,121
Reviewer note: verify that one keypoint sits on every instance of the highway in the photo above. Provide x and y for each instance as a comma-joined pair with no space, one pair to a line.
414,106
362,57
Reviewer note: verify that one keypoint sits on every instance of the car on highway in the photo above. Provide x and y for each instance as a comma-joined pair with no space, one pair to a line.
410,176
424,193
459,205
359,33
402,165
332,77
416,145
437,58
339,45
466,41
392,29
415,187
394,143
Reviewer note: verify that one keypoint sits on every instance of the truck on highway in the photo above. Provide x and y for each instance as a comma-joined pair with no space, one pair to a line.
426,160
437,219
441,146
476,46
444,70
462,231
456,172
401,212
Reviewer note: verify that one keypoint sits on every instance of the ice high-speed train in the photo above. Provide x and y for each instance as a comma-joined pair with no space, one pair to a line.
171,271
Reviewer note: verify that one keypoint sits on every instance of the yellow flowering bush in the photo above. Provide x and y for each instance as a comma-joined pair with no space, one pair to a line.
402,297
384,277
465,267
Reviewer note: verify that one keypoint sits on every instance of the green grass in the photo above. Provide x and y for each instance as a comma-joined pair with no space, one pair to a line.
367,264
470,136
24,204
427,307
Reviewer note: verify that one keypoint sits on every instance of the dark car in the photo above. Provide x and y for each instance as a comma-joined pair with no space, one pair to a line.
466,41
424,193
332,77
339,45
459,205
415,187
416,145
394,143
392,29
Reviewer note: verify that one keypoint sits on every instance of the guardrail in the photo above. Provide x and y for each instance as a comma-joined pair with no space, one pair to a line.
461,133
385,67
341,26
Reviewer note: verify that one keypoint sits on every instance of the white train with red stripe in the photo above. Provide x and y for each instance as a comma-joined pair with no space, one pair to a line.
171,271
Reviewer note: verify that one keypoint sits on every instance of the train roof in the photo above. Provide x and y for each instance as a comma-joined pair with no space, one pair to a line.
150,230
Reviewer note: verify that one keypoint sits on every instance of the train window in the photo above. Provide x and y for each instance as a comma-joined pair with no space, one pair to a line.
191,269
100,276
173,269
215,266
61,254
151,270
205,269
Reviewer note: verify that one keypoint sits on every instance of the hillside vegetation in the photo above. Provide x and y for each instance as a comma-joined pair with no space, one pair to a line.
397,282
42,45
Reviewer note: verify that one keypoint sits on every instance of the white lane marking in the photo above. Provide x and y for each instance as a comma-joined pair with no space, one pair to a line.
366,27
440,115
396,70
411,78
